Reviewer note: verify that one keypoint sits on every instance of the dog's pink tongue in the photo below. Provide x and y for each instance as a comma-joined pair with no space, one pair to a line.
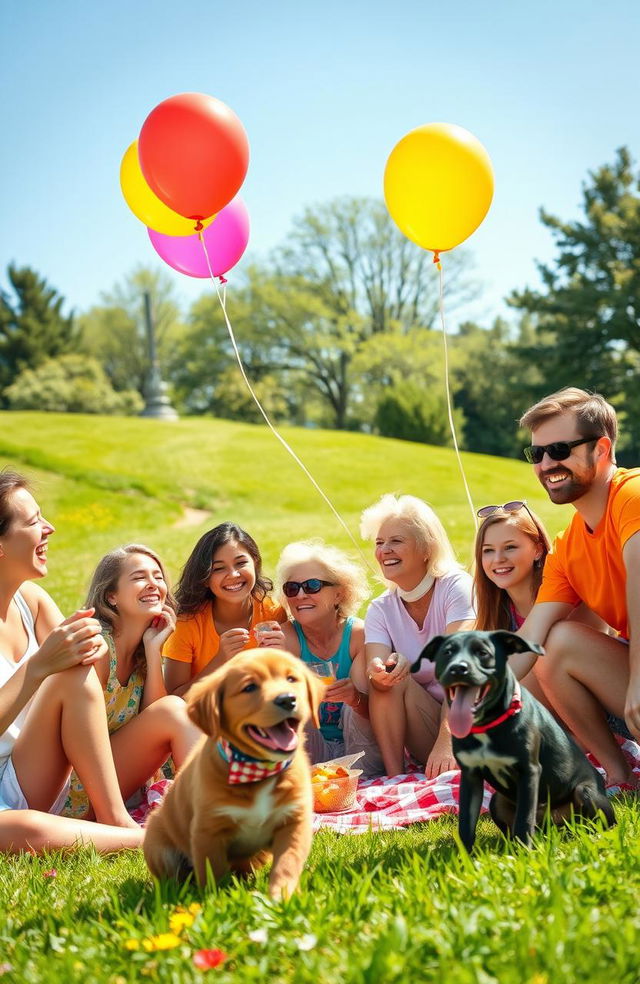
461,710
282,737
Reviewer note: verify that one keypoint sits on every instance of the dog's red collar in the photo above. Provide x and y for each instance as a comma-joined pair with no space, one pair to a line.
244,768
514,708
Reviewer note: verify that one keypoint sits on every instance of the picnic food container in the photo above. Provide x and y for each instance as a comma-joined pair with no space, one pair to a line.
334,784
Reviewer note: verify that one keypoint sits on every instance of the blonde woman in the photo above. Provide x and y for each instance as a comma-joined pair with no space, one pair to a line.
427,594
131,599
323,589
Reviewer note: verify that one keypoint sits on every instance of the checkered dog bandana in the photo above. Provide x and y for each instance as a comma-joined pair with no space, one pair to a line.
244,768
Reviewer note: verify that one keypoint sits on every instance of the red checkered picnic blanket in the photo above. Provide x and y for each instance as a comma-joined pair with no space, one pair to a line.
389,803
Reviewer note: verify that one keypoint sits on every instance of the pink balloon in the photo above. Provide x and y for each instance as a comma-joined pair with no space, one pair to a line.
225,239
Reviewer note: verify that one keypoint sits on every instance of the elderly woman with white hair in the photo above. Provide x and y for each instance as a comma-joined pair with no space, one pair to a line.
427,594
323,589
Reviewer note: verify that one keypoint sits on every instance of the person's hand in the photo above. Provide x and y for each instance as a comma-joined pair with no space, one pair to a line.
160,629
342,691
390,672
632,707
273,639
441,758
232,642
77,640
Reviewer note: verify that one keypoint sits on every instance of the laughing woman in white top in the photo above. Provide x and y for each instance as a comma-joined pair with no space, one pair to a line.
428,594
51,704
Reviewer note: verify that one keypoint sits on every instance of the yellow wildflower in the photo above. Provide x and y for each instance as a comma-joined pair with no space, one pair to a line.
164,941
179,921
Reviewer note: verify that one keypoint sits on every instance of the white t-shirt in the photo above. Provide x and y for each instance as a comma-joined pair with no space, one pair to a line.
388,622
7,669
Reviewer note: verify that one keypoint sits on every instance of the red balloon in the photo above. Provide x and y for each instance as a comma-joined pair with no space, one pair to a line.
194,154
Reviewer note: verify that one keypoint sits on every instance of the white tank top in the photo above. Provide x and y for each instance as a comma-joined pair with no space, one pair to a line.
8,668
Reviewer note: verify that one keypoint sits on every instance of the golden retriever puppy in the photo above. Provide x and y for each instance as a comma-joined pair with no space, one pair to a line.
244,793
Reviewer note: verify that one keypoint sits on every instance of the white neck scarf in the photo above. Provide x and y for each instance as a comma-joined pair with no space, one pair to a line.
419,591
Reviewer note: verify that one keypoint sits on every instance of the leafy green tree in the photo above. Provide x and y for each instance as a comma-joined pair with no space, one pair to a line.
114,331
402,385
70,384
493,381
202,365
411,412
588,314
346,278
346,275
32,325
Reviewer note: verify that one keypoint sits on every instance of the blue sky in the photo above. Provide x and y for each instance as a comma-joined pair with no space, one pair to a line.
324,92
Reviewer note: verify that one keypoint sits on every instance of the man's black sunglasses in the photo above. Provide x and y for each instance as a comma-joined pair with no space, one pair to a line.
557,451
311,586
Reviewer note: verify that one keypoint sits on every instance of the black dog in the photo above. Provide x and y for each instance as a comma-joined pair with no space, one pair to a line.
504,735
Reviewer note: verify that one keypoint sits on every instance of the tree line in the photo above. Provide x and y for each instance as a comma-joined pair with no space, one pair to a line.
340,329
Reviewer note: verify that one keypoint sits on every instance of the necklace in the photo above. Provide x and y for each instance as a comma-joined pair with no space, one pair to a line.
419,591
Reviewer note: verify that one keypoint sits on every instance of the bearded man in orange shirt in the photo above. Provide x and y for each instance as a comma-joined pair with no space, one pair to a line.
586,673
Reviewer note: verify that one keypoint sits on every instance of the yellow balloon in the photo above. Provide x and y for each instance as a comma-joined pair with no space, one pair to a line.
438,185
146,205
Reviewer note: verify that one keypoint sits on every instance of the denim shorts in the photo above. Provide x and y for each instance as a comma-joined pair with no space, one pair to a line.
12,797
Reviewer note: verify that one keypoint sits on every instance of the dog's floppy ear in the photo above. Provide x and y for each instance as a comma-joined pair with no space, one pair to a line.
511,643
204,704
429,652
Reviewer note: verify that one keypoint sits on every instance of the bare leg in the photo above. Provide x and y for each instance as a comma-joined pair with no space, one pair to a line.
403,715
67,726
33,831
583,672
145,742
423,721
388,720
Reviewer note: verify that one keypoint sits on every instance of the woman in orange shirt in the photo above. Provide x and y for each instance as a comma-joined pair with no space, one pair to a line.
222,596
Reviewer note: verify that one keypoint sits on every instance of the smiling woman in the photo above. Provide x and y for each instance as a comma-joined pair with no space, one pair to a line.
511,548
51,708
323,590
131,599
428,594
222,598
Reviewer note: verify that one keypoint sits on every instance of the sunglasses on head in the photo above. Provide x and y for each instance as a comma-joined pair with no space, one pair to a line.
510,507
557,451
311,586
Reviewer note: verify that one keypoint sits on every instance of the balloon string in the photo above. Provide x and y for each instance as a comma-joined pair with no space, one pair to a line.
222,299
448,392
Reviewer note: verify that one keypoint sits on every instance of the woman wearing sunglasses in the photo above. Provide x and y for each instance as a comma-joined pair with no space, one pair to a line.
428,594
221,597
323,590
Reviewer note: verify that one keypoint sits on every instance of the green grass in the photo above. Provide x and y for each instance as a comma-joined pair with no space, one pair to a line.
373,908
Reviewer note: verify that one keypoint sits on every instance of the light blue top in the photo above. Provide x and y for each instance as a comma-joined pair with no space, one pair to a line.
330,711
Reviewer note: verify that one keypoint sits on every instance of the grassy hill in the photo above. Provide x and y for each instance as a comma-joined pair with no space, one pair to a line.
104,481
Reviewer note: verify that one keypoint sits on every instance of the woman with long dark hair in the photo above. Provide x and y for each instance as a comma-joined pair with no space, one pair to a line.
221,597
51,706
